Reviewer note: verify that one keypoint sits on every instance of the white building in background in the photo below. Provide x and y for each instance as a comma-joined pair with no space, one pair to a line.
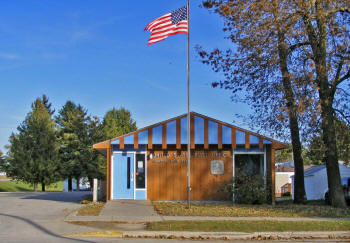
283,175
84,184
316,182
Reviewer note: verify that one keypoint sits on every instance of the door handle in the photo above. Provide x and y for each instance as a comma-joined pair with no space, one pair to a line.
132,176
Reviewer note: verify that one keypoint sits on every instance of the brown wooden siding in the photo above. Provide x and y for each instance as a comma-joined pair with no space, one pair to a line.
108,174
167,179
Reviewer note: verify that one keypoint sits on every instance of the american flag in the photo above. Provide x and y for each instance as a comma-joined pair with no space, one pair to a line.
169,24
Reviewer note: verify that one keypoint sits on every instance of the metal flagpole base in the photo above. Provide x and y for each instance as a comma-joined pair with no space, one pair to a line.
188,197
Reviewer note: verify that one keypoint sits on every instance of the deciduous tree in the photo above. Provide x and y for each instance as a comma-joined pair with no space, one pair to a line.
300,48
316,148
117,122
258,64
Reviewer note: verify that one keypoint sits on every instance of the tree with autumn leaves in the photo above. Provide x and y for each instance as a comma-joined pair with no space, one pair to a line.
292,60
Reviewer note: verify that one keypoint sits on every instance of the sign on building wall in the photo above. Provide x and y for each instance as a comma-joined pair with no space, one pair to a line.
217,167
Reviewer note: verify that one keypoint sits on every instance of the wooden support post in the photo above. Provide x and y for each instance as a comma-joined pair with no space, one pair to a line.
206,136
164,145
219,136
150,145
178,134
247,141
273,181
108,173
233,138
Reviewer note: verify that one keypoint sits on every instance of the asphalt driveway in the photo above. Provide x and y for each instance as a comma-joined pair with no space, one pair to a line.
37,217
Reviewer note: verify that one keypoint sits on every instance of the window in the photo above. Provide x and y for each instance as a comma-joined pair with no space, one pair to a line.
140,171
252,164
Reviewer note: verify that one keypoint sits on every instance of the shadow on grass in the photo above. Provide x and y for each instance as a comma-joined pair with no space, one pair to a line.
42,229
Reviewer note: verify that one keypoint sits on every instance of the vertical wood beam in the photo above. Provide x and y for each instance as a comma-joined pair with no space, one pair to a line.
261,144
233,138
273,180
178,134
150,145
219,136
247,142
192,132
206,136
121,144
164,145
108,173
136,140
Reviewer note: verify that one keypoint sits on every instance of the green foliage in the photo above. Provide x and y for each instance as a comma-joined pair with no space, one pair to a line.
285,155
77,133
33,152
117,122
316,150
249,189
246,188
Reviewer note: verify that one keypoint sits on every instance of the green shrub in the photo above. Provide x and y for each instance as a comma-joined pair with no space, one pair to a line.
249,189
246,188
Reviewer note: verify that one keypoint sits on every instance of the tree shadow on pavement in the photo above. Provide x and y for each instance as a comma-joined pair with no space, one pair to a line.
73,197
42,229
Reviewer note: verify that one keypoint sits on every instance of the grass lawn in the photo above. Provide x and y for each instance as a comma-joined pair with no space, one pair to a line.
249,226
91,209
18,186
281,209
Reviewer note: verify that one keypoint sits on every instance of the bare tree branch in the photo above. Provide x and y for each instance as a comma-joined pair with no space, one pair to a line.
295,46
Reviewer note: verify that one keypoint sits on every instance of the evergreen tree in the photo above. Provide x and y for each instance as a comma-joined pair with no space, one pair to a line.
33,152
117,122
78,132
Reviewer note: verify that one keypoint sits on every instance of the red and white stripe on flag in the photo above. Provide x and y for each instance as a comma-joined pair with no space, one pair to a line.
169,24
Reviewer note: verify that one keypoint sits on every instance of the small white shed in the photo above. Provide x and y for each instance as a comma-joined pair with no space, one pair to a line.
316,182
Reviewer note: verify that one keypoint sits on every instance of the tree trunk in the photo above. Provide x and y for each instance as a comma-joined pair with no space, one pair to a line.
42,187
35,187
299,186
70,184
78,186
336,193
319,43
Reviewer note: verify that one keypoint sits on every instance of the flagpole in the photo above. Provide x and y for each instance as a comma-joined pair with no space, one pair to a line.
188,111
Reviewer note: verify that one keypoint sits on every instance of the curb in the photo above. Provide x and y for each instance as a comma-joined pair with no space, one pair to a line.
73,217
217,235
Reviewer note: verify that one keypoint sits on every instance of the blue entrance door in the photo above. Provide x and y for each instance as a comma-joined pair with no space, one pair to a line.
123,176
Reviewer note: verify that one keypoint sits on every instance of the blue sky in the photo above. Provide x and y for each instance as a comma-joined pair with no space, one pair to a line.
95,53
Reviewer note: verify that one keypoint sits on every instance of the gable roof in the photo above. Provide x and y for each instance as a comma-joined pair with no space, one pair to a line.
314,169
204,130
